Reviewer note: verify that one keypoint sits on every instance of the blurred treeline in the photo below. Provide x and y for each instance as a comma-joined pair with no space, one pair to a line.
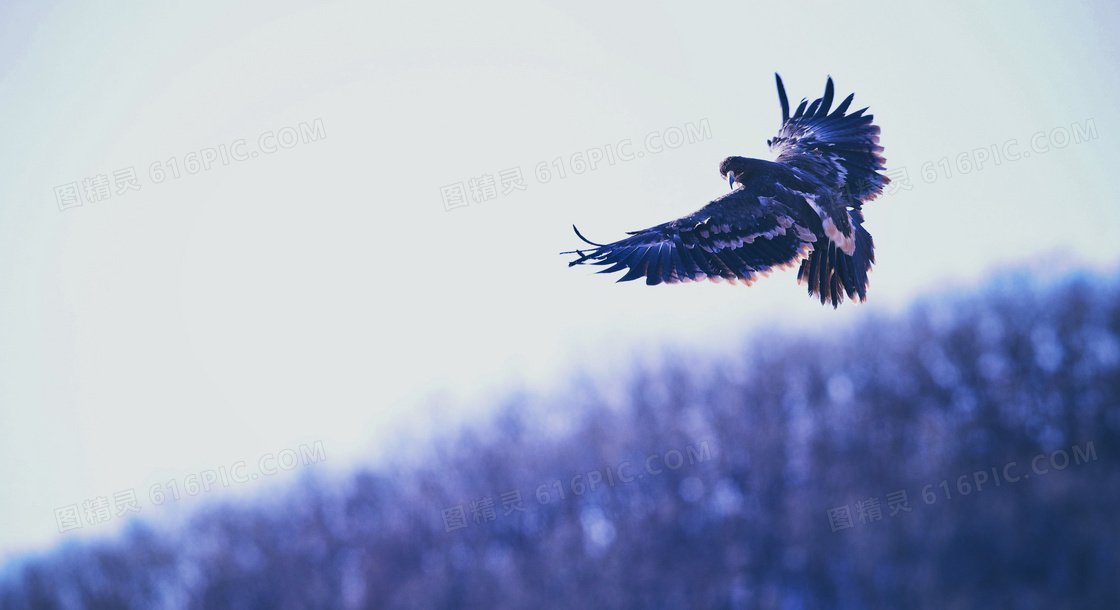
794,425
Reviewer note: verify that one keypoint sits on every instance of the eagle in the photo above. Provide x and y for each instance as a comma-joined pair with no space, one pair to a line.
804,207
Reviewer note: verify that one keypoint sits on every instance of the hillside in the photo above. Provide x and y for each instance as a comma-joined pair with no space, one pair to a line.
746,467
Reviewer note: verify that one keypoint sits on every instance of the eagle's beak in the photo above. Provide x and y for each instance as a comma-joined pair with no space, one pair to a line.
731,180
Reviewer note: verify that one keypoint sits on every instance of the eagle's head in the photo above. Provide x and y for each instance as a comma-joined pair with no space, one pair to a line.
737,169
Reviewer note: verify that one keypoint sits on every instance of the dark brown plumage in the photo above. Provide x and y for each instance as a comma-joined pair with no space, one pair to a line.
805,206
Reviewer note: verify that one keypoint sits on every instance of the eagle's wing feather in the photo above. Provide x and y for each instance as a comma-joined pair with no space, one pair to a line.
841,150
734,238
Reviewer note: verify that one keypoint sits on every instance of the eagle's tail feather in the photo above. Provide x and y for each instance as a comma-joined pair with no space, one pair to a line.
830,273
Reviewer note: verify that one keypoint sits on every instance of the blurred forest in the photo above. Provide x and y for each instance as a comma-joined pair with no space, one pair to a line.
772,481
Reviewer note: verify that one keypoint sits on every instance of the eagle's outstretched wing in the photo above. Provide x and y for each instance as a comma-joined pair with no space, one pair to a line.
736,237
840,150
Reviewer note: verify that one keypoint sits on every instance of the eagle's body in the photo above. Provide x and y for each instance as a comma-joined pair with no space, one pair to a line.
803,207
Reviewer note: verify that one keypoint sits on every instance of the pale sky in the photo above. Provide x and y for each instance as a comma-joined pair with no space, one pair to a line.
318,290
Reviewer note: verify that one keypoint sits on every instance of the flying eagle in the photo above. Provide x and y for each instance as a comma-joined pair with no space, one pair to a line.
806,206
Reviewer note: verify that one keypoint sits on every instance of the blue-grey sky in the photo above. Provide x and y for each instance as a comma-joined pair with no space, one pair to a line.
287,272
